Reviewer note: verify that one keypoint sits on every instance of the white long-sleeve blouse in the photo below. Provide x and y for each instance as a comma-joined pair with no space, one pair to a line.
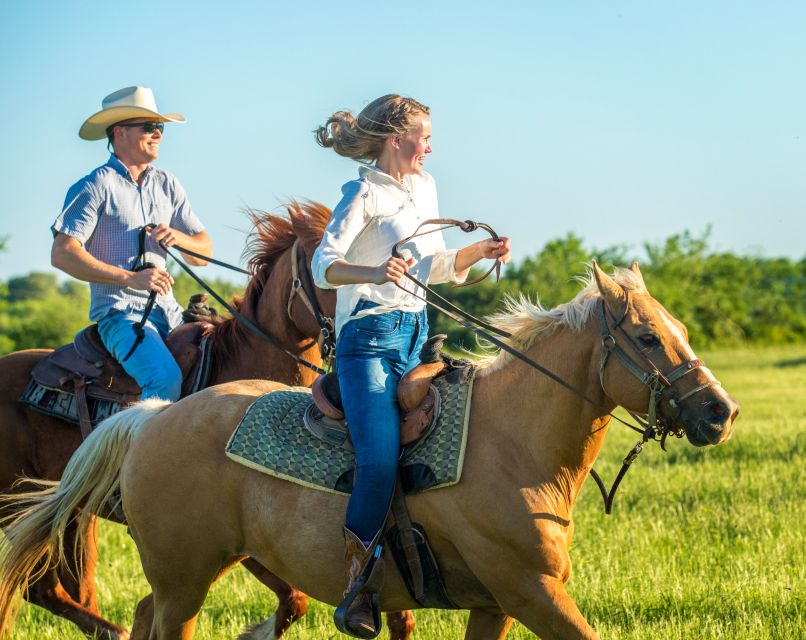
375,212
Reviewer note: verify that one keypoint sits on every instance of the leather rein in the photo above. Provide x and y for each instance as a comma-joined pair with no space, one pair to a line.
662,392
254,328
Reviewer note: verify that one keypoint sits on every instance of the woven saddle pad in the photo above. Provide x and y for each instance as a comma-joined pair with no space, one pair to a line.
272,438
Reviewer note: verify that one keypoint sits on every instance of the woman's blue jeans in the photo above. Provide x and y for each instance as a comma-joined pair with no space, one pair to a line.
372,354
151,365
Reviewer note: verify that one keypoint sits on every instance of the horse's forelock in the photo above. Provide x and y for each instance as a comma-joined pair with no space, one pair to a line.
270,236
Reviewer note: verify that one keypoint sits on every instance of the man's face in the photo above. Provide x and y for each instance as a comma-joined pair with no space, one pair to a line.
136,145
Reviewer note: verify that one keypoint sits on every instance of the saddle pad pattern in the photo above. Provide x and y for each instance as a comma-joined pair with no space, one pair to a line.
272,438
62,404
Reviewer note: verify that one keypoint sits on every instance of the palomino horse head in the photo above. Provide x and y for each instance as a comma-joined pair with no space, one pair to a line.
654,358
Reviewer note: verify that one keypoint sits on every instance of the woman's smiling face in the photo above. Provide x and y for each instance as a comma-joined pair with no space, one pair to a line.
412,148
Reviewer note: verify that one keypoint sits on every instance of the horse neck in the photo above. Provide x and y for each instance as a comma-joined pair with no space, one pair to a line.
253,357
538,430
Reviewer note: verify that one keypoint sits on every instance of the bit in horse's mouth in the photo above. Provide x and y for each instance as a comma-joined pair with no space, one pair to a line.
707,433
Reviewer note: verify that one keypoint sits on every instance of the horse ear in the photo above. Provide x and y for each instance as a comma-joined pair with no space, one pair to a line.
634,268
612,293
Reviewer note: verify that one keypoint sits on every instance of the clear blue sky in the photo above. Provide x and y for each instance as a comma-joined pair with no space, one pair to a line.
622,122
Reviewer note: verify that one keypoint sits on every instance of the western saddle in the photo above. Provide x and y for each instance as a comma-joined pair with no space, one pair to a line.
88,371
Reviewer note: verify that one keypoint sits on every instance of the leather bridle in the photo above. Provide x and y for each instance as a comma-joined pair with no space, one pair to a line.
302,287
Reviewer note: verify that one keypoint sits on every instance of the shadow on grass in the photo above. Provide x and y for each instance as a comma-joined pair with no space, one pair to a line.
695,608
785,364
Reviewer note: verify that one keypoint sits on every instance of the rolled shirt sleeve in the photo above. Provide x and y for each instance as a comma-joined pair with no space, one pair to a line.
346,223
443,267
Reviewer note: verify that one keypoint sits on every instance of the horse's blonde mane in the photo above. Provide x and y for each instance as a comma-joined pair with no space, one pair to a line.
527,320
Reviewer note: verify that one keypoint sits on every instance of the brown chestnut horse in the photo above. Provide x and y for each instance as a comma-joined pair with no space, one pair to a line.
501,535
36,445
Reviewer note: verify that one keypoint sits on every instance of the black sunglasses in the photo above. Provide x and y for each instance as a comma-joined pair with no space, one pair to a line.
148,127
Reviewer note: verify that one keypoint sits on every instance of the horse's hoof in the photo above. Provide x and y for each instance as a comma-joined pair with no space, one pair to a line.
260,631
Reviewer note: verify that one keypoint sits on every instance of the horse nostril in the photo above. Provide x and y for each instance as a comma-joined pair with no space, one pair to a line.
716,411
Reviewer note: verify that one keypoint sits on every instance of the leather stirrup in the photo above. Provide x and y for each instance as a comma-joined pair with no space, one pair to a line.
359,614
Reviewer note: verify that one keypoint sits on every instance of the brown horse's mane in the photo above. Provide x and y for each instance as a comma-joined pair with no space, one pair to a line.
270,237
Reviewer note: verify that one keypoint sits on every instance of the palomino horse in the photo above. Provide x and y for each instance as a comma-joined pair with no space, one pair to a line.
37,445
501,535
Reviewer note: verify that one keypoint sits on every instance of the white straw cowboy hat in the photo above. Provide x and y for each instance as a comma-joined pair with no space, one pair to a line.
131,102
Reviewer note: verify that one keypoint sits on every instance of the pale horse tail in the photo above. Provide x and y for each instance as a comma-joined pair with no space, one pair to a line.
34,532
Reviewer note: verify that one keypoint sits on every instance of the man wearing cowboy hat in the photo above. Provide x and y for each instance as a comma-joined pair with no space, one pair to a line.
97,237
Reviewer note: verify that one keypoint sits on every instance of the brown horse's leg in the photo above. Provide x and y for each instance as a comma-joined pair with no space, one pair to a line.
487,624
292,603
48,593
401,624
59,592
83,590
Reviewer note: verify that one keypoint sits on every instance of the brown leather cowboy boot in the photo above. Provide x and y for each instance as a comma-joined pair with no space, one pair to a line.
358,614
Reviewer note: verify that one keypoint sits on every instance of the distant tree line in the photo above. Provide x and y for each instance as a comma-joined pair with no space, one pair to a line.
723,299
36,310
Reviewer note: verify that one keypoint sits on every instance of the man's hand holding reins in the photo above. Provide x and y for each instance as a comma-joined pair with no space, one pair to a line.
152,279
168,237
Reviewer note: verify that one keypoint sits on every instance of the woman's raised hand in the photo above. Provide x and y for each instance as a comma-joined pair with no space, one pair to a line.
492,249
393,270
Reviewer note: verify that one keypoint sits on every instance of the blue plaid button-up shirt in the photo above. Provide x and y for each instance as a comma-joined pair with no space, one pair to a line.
105,212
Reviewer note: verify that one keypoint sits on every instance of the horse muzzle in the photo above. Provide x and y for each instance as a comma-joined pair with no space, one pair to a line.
710,421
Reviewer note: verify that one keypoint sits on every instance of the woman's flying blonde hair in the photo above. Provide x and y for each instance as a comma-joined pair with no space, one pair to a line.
361,138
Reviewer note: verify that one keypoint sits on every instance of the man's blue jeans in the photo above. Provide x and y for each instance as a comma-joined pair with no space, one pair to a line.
372,355
151,365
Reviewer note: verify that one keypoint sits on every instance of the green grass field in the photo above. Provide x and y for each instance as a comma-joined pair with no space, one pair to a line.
702,543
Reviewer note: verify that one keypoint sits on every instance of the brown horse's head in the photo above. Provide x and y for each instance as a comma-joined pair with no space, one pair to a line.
270,257
267,299
308,220
690,398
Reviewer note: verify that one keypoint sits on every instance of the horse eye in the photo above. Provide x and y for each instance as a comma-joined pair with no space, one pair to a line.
649,340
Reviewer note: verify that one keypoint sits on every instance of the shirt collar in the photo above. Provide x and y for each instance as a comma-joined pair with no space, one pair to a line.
115,163
374,174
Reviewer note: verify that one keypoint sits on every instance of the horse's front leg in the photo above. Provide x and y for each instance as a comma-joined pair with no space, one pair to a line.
292,604
487,624
543,605
400,624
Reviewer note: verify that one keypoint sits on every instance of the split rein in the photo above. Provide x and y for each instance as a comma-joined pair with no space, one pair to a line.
660,386
255,329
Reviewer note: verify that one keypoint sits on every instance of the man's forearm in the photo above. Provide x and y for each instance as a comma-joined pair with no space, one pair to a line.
69,256
198,243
